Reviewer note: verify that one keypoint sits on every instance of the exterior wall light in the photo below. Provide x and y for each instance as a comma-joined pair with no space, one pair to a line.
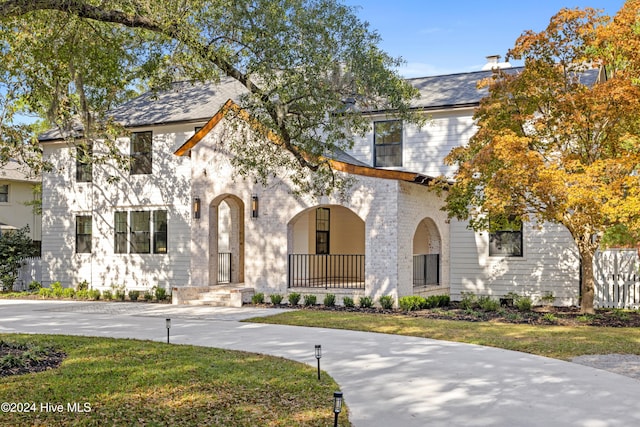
196,208
255,205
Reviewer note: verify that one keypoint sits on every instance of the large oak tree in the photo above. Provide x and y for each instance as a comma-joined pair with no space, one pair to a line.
559,140
303,64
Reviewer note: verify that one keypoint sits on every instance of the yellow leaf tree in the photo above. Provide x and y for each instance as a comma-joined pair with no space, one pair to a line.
558,140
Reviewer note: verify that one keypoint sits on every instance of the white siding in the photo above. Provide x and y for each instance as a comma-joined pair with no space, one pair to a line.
550,264
167,188
14,212
425,148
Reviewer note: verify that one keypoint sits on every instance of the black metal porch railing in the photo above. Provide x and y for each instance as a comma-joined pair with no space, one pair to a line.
426,270
326,271
224,267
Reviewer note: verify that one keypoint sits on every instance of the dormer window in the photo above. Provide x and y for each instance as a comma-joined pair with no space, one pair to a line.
387,143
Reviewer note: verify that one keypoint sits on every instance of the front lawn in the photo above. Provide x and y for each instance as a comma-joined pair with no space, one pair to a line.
130,382
560,342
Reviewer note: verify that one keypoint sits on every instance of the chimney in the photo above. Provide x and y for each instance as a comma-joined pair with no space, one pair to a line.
493,62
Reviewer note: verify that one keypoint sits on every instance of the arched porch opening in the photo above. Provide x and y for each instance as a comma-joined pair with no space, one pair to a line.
326,247
226,240
427,246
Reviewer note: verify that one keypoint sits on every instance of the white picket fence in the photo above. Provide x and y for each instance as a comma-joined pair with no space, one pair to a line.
31,270
617,277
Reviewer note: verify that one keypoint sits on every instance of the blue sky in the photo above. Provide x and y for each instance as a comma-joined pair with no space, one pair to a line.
442,37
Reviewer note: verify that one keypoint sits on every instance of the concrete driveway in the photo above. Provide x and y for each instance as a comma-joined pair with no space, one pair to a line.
387,380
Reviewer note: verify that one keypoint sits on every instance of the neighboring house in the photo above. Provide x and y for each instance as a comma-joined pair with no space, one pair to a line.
17,194
180,217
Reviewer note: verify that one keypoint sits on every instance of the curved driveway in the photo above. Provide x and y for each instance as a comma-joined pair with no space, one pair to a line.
387,380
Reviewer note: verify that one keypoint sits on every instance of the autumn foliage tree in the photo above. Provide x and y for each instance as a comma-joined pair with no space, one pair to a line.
559,139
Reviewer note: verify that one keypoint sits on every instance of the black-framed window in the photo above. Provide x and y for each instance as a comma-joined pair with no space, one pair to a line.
160,232
84,164
141,155
4,193
323,224
505,237
141,232
83,234
387,143
121,231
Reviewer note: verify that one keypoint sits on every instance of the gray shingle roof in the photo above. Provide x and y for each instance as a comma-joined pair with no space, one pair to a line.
189,101
13,171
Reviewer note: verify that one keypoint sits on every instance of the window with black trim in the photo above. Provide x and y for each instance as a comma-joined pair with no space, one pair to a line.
83,234
159,232
4,193
84,165
141,156
323,219
141,232
121,231
505,236
387,143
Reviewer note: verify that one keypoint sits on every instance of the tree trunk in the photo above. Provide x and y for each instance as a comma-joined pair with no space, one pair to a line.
588,281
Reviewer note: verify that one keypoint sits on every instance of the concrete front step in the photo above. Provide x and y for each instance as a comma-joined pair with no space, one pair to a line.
217,296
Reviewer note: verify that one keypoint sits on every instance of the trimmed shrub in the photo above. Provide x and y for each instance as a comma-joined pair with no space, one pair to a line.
524,304
56,289
68,293
468,301
258,298
309,300
45,292
82,286
411,303
148,295
82,294
134,295
386,302
160,293
276,299
93,294
293,298
348,302
330,300
107,295
365,302
35,286
487,303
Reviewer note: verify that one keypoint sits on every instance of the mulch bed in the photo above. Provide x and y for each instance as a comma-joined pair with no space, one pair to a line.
563,316
17,359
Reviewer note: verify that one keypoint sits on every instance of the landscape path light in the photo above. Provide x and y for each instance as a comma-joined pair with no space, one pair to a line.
337,406
168,323
318,356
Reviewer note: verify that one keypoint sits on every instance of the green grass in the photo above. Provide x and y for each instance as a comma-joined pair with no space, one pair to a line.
129,382
559,342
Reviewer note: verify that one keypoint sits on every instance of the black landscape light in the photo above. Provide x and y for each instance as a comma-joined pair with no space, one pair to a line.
168,323
318,356
337,406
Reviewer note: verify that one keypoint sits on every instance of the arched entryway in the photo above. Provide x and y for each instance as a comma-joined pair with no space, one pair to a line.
427,246
226,240
326,246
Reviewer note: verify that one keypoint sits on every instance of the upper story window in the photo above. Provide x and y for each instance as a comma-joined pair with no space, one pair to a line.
83,234
387,143
141,153
4,193
505,237
84,164
323,218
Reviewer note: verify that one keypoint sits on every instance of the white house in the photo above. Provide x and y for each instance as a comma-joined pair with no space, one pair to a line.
17,195
180,217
